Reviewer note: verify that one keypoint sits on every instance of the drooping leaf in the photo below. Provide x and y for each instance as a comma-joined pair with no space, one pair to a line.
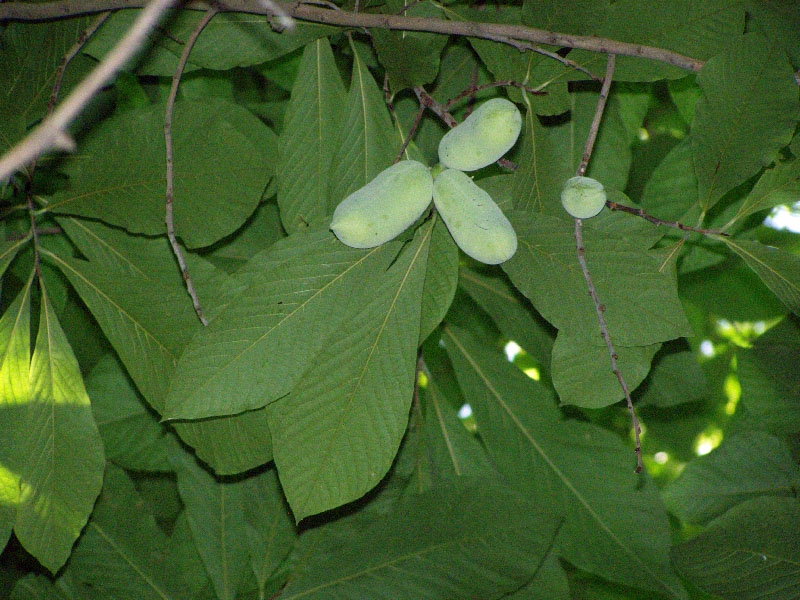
366,144
337,432
132,436
8,250
779,185
640,299
441,279
313,118
751,552
741,122
295,295
615,525
675,378
768,373
61,451
229,40
749,464
122,553
582,372
215,510
779,270
466,539
223,158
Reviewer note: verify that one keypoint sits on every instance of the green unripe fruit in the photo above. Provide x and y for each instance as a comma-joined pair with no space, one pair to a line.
583,197
476,223
385,207
485,136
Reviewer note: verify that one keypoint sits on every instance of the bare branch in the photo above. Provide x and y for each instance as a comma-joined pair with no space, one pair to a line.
500,32
51,133
598,306
656,221
168,217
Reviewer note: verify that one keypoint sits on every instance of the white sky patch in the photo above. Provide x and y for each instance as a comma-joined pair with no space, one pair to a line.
706,348
512,349
465,412
783,217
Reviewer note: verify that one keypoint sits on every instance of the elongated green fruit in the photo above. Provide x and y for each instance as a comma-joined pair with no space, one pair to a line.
583,197
476,223
385,207
484,136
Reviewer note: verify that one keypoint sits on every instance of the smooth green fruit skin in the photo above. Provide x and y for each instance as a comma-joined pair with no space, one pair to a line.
583,197
476,223
484,137
385,207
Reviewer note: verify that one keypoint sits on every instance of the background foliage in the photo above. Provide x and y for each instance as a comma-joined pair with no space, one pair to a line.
312,441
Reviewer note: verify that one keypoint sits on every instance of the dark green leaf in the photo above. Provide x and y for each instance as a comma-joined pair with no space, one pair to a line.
441,279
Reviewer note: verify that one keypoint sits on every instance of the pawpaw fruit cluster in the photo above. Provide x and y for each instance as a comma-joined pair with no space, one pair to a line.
397,197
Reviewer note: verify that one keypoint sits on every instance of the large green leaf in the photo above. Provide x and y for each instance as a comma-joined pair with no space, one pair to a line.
366,144
468,539
582,372
132,436
778,185
313,118
8,250
752,552
215,511
60,452
337,432
295,295
675,378
229,40
411,58
637,290
742,121
615,525
441,279
779,270
223,157
746,465
123,552
768,373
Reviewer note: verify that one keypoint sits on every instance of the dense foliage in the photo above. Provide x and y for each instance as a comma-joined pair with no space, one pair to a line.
313,440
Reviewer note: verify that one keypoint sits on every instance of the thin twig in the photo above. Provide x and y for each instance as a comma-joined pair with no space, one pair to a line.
168,217
598,306
656,221
486,86
51,133
27,11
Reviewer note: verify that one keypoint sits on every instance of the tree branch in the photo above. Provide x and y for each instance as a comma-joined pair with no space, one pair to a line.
168,217
51,133
656,221
499,32
598,306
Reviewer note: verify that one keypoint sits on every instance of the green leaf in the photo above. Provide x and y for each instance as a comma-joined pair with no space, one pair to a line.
463,540
223,158
749,464
229,40
749,553
61,451
582,372
675,378
366,144
132,436
615,525
741,122
779,270
293,296
441,279
635,287
671,191
778,185
542,172
8,250
313,118
512,312
338,431
269,526
768,373
215,510
411,58
123,553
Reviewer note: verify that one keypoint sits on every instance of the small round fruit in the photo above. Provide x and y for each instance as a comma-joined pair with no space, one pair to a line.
385,207
583,197
484,136
476,223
